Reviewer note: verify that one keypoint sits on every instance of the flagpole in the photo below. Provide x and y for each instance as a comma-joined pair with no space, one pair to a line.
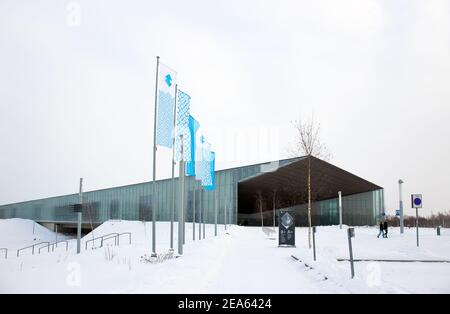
204,214
200,214
193,215
154,164
181,200
172,213
225,216
215,212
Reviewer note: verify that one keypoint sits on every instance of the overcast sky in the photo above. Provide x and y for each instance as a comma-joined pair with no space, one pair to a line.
77,90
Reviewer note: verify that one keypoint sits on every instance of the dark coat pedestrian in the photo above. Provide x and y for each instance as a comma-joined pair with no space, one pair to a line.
385,227
381,230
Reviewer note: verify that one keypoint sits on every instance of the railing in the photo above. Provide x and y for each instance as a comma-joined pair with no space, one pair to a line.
45,246
6,251
62,241
102,238
115,236
53,246
125,233
32,247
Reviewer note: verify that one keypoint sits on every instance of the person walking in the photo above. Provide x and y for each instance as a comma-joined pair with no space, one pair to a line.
381,230
385,227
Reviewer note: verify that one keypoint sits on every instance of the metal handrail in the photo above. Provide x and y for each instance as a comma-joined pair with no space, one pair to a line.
93,240
115,237
124,233
62,241
6,252
31,246
45,246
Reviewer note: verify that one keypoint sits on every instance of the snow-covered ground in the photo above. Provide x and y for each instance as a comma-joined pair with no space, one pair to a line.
241,260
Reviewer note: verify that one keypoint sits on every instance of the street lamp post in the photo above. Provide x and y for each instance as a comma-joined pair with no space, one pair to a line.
400,182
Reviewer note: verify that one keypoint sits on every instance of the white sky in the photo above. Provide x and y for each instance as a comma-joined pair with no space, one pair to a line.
77,100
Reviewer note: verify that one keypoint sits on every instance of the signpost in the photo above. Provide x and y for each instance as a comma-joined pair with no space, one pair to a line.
400,182
416,202
351,234
314,242
286,227
79,210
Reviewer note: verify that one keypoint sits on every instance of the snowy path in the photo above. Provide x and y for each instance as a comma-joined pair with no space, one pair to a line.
260,266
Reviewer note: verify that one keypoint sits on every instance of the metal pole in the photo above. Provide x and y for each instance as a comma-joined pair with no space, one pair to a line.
193,215
154,164
80,217
225,216
229,214
351,251
215,213
204,215
260,209
56,235
417,226
340,209
184,220
181,204
401,206
314,242
172,213
274,194
200,218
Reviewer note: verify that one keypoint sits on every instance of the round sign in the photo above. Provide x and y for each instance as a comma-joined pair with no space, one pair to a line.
417,201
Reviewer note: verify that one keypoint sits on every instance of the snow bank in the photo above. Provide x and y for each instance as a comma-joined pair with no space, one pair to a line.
17,233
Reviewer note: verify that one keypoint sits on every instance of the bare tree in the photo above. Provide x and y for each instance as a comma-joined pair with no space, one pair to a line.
307,143
259,201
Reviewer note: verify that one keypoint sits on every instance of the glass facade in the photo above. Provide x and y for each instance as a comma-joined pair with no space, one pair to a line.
134,202
357,210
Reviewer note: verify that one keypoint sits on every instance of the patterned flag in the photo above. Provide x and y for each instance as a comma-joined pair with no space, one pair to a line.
202,155
166,102
209,185
193,128
182,125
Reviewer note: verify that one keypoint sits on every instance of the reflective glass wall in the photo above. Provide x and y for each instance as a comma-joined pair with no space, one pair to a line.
134,202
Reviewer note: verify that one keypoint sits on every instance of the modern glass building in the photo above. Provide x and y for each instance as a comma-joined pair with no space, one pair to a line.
244,195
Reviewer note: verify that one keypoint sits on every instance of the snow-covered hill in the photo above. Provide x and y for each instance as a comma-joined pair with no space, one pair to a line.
16,233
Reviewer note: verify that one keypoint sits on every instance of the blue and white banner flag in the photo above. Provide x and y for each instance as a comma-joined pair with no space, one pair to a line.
209,185
202,153
204,164
182,126
167,79
193,128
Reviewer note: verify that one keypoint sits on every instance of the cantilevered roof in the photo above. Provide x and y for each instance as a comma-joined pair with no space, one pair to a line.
327,180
